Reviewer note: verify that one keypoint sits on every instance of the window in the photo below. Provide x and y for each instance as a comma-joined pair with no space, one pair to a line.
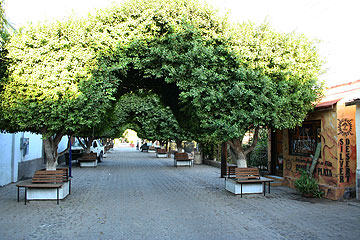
303,140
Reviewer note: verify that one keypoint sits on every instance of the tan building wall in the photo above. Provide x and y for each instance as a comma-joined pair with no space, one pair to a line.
336,167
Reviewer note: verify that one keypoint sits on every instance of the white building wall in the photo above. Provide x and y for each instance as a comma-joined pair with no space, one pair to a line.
12,155
357,128
14,165
5,159
35,147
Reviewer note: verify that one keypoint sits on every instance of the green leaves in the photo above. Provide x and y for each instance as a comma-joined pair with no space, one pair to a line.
218,80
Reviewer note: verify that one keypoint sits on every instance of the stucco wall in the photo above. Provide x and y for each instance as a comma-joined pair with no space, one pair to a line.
13,163
5,159
357,121
336,168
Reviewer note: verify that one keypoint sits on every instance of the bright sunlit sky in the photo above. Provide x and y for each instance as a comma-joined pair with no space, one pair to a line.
335,22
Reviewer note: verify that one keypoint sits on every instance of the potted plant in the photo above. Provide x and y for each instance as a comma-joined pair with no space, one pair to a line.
308,186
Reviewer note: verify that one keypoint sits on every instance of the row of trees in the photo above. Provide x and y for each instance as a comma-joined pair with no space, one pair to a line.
170,69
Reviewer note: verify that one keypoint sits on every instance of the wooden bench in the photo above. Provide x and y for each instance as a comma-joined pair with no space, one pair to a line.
107,148
88,160
250,175
43,179
183,157
161,153
144,147
230,170
151,149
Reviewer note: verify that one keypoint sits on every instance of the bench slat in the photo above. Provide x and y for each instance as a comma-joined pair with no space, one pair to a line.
247,173
160,150
43,176
88,157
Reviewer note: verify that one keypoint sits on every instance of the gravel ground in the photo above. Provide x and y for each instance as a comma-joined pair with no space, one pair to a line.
134,195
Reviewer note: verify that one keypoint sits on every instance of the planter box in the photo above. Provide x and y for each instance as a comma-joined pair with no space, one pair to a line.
183,163
247,188
161,155
88,163
48,193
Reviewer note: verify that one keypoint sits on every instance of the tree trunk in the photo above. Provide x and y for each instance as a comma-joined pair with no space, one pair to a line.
50,147
88,141
237,151
179,146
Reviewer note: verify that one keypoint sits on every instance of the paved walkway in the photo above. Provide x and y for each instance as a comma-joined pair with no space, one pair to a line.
133,195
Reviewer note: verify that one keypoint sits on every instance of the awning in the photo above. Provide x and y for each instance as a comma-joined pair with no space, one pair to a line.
327,104
355,101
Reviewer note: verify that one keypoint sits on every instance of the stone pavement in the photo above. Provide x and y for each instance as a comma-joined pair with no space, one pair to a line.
133,195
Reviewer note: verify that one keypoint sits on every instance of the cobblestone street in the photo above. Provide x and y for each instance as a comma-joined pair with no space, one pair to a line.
134,195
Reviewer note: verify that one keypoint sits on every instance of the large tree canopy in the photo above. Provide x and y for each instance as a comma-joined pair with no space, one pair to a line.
229,79
219,80
52,89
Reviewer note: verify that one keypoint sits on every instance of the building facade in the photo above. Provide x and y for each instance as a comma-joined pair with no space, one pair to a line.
356,102
332,128
21,155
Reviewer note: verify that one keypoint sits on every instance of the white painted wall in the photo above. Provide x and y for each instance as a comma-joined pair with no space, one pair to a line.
11,154
5,159
357,128
35,146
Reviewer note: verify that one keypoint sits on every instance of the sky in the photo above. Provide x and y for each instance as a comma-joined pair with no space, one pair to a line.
336,23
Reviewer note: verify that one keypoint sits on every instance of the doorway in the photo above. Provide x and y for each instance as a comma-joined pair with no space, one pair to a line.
277,157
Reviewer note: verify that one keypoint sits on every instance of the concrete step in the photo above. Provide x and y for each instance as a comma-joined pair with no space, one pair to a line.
278,181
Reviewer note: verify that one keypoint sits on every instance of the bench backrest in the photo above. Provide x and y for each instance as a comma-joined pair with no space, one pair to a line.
181,156
247,173
160,150
43,176
90,156
230,171
65,173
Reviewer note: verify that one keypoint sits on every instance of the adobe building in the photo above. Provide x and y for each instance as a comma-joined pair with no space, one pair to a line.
352,102
332,124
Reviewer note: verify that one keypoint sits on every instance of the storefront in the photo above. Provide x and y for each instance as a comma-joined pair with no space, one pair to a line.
332,126
356,102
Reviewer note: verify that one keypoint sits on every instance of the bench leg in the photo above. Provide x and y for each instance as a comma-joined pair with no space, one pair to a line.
57,195
264,183
269,187
25,195
241,189
18,191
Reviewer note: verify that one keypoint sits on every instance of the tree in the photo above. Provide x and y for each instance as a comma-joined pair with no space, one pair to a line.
218,80
51,88
231,79
270,80
5,30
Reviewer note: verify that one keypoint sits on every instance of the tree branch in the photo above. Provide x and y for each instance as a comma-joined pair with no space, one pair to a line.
57,138
255,140
81,143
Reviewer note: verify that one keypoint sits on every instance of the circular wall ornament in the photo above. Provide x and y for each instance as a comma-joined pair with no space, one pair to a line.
344,127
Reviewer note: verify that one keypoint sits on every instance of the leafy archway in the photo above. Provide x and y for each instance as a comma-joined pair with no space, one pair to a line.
219,80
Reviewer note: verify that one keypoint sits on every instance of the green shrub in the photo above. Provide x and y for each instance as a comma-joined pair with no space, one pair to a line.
307,185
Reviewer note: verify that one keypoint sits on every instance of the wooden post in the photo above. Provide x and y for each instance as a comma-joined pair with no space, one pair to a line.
223,159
